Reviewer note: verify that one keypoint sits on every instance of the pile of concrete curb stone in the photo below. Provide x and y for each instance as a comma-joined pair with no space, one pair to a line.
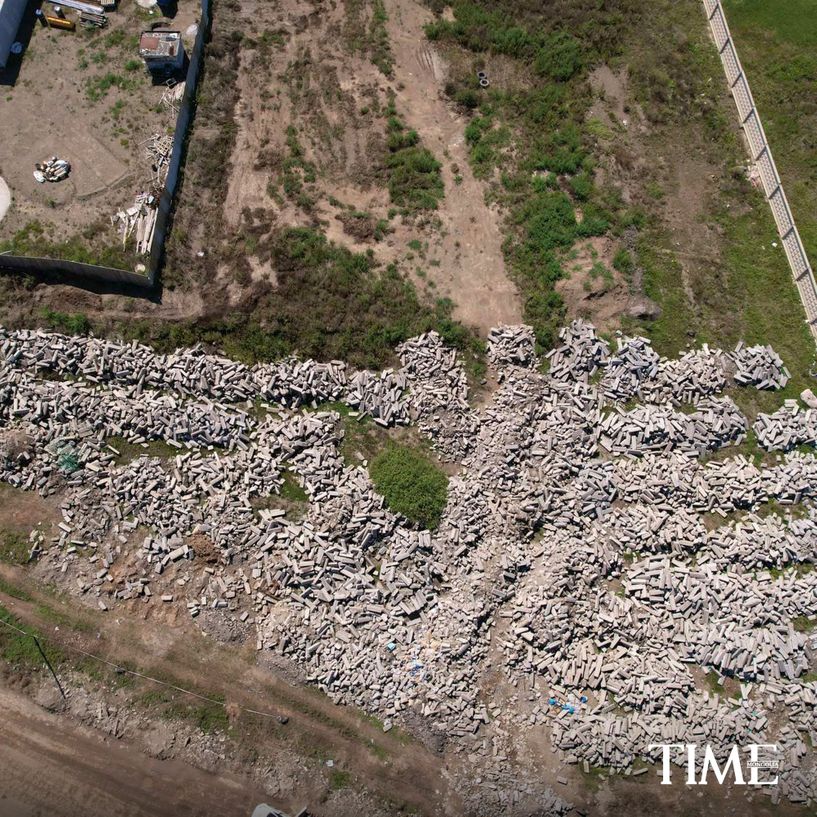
588,550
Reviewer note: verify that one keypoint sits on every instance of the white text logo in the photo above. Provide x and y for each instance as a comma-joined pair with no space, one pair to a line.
732,766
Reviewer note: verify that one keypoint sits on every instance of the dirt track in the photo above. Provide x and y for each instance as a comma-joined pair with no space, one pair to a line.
50,765
472,268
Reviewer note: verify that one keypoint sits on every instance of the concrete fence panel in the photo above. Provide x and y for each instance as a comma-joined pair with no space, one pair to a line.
761,155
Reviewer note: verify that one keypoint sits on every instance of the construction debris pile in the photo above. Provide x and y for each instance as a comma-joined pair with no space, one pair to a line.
512,345
588,551
139,221
158,149
789,427
51,170
759,366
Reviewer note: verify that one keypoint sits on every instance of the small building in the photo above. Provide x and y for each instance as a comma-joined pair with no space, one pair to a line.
11,15
162,51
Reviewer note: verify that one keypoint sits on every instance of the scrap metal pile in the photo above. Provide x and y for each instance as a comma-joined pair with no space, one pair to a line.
590,548
52,170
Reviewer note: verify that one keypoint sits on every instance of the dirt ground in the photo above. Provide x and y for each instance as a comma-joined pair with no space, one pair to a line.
80,774
471,267
86,97
330,102
290,760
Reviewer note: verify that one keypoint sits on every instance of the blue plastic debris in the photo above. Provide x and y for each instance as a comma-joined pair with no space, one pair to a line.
552,701
391,646
415,667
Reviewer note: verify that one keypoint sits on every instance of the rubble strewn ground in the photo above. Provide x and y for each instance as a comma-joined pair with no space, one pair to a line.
589,552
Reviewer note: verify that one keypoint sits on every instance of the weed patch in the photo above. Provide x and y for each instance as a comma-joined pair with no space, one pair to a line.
411,484
415,178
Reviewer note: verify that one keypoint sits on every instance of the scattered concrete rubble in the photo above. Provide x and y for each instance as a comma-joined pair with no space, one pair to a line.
514,345
588,549
634,362
787,428
759,366
580,353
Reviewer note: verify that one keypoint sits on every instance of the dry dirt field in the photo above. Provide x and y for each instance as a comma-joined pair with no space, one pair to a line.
84,96
332,99
82,774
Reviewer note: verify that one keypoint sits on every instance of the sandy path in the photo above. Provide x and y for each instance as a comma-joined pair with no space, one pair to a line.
473,273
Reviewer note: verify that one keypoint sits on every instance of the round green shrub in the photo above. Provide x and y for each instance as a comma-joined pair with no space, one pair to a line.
411,484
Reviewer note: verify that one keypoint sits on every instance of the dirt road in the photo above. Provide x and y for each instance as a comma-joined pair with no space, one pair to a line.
50,765
472,268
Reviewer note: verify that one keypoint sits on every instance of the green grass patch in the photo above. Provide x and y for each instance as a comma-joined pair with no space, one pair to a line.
63,620
19,648
529,137
414,176
411,484
128,451
89,246
777,43
364,31
339,779
14,547
209,717
297,173
713,684
291,489
97,87
803,624
11,589
330,303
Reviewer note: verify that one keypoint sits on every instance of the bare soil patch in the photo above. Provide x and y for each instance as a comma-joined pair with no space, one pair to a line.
81,774
594,289
84,96
325,93
388,765
471,266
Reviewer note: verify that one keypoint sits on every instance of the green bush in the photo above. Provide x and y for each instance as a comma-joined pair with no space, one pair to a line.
561,151
546,312
73,324
560,57
88,247
582,186
411,484
414,175
329,304
467,97
623,262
